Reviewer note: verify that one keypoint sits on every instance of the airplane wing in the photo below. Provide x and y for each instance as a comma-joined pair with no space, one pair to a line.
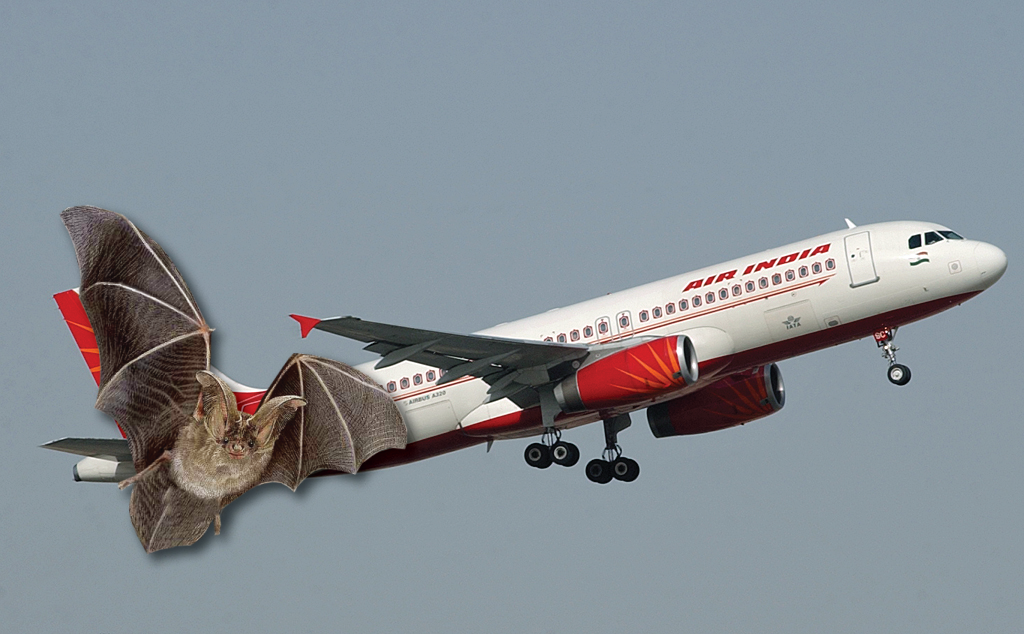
509,365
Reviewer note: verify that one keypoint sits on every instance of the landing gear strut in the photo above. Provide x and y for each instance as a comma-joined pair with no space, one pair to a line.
612,464
550,449
898,374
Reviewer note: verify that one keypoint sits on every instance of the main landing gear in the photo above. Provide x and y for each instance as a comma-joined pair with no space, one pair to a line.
612,464
552,449
898,374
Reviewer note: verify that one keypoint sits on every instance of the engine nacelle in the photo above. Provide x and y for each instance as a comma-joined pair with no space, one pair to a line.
631,375
101,470
733,400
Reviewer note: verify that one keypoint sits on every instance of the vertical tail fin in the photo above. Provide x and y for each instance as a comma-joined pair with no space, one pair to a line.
71,308
78,322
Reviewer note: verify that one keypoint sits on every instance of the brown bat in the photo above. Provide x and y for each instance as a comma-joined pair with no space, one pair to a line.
194,452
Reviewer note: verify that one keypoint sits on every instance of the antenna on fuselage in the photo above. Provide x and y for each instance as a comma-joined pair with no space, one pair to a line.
849,224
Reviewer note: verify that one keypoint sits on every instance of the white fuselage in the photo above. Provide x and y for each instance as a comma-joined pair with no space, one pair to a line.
768,306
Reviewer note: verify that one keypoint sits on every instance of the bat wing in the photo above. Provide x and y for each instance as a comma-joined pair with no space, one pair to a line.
347,418
165,516
151,337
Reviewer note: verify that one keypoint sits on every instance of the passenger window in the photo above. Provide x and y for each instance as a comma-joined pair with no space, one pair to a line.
404,383
696,301
417,379
588,331
656,312
816,267
737,289
830,264
914,242
931,238
950,235
548,339
683,305
624,321
603,327
777,279
561,338
723,293
644,315
763,282
803,271
574,335
710,298
670,308
750,286
431,375
391,386
790,275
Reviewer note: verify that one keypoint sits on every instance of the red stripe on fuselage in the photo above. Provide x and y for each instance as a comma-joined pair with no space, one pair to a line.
660,323
521,422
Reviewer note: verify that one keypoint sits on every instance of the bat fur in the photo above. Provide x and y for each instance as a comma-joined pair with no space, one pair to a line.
194,452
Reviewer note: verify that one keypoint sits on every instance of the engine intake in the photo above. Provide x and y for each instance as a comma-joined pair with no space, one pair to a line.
734,400
631,375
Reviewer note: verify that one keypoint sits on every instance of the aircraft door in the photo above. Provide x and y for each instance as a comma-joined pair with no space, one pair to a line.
859,260
624,324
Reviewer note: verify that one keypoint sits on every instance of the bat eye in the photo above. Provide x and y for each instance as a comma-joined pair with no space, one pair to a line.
224,442
251,443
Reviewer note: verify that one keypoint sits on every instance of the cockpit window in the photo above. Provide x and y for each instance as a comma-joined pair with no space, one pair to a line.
915,242
950,235
931,238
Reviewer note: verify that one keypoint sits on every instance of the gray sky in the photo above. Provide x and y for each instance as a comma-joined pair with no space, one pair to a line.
461,165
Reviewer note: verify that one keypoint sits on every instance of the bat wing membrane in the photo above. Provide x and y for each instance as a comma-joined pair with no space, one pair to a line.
165,516
151,337
347,418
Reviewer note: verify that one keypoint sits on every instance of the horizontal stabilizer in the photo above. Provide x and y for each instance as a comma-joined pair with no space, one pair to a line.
109,448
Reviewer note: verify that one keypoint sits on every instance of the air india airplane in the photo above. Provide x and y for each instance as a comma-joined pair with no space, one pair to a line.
698,351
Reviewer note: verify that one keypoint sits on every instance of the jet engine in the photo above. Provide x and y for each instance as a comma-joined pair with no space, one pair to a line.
733,400
630,375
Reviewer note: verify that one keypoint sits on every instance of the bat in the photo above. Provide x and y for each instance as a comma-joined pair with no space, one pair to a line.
194,451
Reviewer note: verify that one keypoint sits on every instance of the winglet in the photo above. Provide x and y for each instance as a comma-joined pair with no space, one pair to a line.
306,323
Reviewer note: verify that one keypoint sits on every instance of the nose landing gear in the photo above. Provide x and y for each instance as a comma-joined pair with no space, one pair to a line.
612,464
898,374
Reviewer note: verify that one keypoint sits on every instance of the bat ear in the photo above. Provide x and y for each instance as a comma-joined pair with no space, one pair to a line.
216,404
273,415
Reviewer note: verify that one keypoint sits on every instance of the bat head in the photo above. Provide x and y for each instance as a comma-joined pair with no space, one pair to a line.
237,434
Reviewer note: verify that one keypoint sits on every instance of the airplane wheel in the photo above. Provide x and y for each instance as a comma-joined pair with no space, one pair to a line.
599,471
565,453
899,374
538,455
626,469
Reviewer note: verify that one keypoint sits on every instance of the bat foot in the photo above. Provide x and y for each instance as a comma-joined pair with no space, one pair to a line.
216,525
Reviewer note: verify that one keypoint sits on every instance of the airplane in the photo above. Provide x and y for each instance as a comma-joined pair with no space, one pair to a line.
698,351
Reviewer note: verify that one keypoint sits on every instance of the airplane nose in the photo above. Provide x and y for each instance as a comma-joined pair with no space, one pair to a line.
991,261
